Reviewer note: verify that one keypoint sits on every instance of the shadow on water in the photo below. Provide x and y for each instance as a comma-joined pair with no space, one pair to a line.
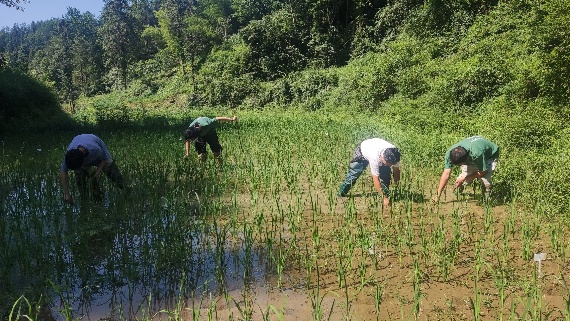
121,258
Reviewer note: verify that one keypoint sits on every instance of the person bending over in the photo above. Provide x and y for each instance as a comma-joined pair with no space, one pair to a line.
477,158
383,158
202,131
85,152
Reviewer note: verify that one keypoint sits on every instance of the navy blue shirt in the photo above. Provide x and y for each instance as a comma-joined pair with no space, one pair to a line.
97,150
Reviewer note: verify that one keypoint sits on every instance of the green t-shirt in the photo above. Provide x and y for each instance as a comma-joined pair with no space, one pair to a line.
480,150
206,124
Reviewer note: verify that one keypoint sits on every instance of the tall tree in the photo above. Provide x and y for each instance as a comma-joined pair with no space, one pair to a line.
44,52
116,36
85,54
206,27
173,25
247,10
278,43
143,17
16,48
60,55
220,14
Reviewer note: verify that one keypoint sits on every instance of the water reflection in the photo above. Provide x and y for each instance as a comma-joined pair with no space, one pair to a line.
124,258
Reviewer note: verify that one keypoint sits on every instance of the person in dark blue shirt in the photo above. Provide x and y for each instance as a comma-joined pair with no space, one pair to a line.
86,151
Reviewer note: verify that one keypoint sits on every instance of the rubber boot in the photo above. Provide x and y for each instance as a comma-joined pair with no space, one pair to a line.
344,189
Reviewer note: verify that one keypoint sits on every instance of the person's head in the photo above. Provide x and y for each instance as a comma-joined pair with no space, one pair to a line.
391,155
192,133
458,156
74,158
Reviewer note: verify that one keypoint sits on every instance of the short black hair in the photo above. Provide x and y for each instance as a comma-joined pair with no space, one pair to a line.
191,133
391,155
74,158
458,155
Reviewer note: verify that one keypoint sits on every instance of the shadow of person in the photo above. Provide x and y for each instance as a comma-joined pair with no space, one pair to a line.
398,194
502,193
402,193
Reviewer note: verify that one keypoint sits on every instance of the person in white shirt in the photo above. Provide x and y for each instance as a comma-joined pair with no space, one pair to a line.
383,158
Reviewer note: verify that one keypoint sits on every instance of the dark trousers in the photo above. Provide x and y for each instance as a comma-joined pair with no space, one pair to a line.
211,139
356,167
83,177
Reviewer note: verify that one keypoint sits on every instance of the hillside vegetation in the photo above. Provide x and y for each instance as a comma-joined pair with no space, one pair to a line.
435,70
27,103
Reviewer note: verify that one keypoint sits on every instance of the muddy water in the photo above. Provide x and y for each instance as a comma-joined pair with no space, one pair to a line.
122,258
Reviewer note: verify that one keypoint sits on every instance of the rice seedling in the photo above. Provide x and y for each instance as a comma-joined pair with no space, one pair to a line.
417,291
190,235
16,312
566,309
500,276
533,307
476,300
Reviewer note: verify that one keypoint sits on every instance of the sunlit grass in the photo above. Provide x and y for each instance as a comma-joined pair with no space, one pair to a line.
190,234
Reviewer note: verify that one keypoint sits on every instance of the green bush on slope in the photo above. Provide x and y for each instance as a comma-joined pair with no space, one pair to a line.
27,103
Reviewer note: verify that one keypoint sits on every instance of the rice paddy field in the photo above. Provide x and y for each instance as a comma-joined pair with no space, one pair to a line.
264,236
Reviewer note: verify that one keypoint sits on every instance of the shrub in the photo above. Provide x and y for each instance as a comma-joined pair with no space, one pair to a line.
26,102
224,79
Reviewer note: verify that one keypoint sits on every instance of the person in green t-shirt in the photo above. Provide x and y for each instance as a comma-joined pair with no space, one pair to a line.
202,131
477,157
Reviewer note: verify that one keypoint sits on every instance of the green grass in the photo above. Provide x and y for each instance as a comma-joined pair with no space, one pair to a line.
189,234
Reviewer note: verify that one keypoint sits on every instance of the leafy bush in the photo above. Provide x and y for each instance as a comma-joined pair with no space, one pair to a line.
27,103
551,33
277,44
391,18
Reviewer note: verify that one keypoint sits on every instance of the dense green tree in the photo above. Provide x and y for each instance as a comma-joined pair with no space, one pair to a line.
219,14
246,11
116,36
206,28
143,16
70,58
172,19
552,36
223,79
440,17
15,47
278,43
190,30
60,56
199,40
48,54
86,63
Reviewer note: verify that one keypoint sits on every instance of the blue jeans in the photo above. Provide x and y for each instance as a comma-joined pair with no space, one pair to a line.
356,167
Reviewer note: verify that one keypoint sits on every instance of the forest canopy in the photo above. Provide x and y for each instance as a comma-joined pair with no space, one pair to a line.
458,56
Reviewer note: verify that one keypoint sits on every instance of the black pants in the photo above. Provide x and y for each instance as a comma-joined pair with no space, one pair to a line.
211,139
82,177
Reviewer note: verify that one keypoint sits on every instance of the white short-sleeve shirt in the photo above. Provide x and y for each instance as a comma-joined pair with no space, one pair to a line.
372,150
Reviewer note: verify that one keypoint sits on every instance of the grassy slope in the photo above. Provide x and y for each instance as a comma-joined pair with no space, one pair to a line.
26,103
